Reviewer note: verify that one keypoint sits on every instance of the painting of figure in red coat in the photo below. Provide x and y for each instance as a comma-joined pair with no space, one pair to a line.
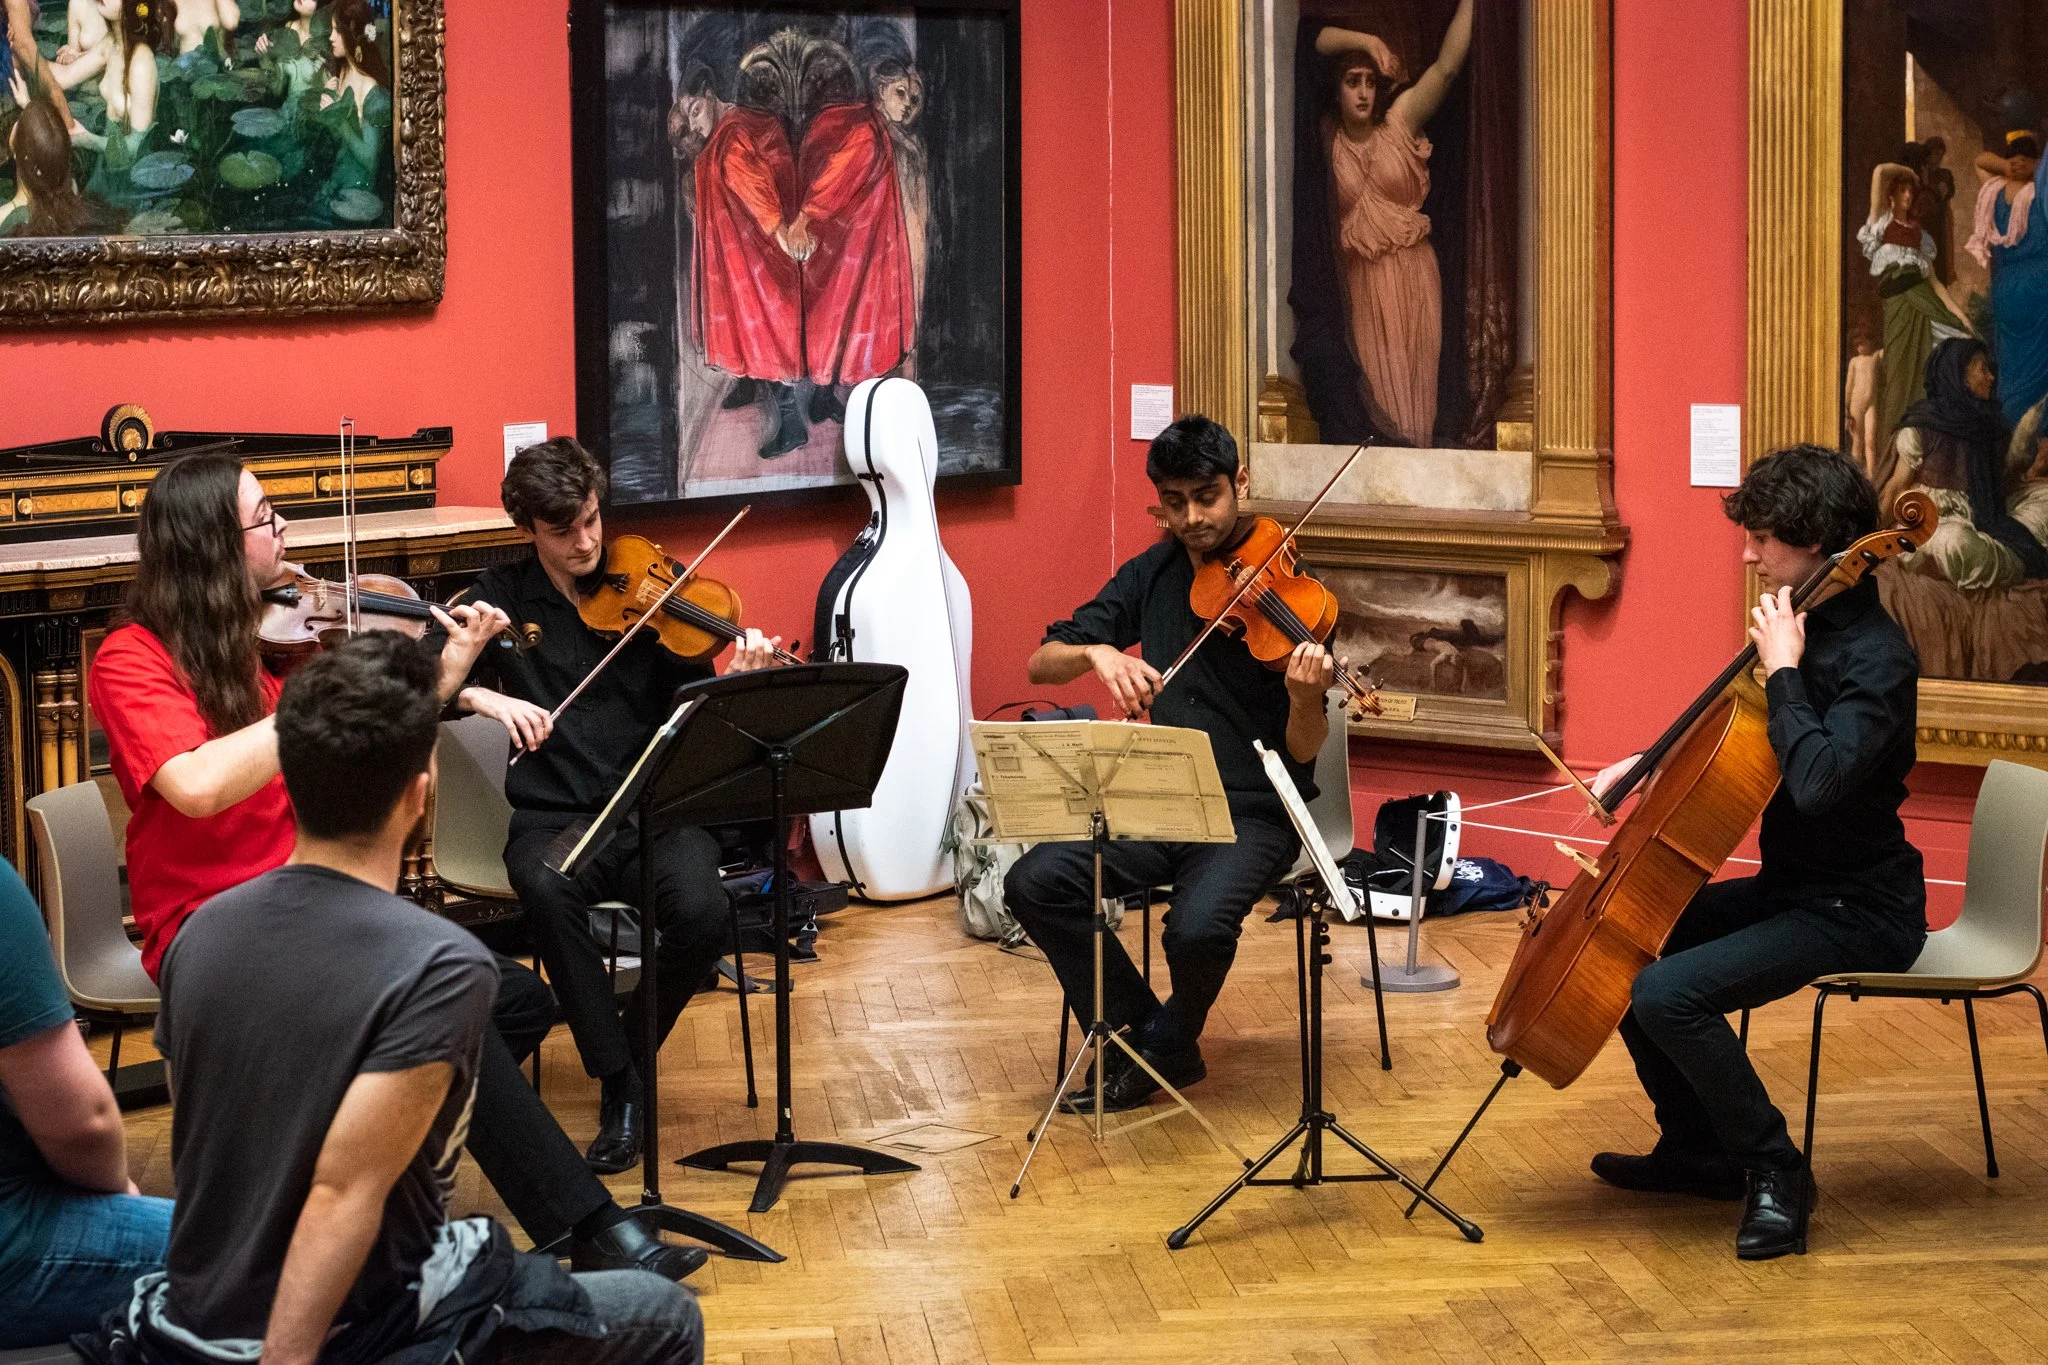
775,205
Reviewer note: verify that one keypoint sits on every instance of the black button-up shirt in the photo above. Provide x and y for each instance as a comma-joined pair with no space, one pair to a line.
1223,692
596,740
1842,725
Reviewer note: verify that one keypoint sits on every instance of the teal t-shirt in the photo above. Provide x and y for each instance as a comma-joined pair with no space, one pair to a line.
32,1001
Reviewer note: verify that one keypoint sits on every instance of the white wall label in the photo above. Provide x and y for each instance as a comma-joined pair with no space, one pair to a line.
1151,410
520,435
1716,445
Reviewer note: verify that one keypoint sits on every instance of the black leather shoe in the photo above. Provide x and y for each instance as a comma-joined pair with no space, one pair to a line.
789,432
825,405
744,393
1774,1219
626,1245
1130,1085
1662,1172
617,1144
1082,1099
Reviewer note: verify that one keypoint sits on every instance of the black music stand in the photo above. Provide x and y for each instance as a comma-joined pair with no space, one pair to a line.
774,744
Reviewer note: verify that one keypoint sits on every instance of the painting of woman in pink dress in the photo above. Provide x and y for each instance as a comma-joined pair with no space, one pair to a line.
1379,178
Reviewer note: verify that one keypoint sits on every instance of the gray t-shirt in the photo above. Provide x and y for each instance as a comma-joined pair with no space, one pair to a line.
276,996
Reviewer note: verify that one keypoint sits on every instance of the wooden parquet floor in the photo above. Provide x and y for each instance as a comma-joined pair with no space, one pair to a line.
903,1024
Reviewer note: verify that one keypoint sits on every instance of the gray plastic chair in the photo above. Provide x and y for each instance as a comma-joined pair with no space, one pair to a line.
1994,945
81,885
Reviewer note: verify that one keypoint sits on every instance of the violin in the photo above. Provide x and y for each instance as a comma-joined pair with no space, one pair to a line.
1256,587
304,614
695,622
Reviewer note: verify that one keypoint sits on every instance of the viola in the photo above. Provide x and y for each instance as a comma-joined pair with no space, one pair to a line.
1568,986
304,614
695,622
1256,587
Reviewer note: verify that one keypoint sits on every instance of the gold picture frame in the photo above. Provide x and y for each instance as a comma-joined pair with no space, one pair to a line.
1795,323
1565,531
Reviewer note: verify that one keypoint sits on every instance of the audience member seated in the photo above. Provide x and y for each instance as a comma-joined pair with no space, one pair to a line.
74,1234
323,1039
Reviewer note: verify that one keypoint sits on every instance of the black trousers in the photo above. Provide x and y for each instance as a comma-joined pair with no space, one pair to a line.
517,1144
1051,892
1736,948
690,909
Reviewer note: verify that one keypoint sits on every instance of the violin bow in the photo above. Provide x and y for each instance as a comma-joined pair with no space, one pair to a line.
1600,812
644,617
1245,585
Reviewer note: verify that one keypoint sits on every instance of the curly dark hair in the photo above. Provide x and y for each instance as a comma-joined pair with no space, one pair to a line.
192,588
355,725
1337,65
1192,448
550,482
1806,495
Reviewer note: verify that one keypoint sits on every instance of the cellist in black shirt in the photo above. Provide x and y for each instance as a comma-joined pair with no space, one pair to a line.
1223,691
1839,890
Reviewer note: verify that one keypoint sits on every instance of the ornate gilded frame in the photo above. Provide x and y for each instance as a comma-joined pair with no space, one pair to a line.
1795,322
64,281
1570,532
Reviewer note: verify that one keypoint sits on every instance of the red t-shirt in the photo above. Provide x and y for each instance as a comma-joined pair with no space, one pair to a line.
140,698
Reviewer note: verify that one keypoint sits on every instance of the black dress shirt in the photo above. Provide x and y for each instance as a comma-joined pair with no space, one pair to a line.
596,740
1842,725
1223,692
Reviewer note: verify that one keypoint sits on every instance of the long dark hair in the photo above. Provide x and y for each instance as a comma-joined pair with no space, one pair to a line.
192,588
352,19
42,159
150,23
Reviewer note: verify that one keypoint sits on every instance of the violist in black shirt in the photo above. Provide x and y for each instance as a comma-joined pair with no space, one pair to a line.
1840,889
1222,691
569,769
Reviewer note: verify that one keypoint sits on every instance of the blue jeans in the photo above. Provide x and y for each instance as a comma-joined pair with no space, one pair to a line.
98,1245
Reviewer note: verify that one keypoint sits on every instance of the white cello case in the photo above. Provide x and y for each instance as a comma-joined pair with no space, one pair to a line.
902,602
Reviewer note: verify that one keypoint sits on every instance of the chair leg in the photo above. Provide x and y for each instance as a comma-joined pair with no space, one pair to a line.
1983,1105
537,1050
114,1054
1813,1073
1146,950
1379,998
739,971
2041,1005
1066,1014
1742,1033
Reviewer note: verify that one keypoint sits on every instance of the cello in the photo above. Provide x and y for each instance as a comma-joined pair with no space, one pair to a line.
1568,985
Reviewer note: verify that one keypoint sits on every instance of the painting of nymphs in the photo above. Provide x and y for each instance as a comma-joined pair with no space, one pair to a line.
1945,318
1405,217
778,204
194,117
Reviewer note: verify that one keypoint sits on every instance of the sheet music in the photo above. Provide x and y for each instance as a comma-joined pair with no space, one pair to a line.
1156,782
1340,891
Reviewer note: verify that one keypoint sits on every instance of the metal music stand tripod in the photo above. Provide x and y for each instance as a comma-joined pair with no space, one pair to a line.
1076,777
1322,888
774,744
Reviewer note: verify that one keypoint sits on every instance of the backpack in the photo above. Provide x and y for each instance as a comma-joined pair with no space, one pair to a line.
978,872
1483,884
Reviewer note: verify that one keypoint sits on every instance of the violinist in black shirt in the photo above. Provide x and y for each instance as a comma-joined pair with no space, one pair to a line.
569,769
1223,691
1839,890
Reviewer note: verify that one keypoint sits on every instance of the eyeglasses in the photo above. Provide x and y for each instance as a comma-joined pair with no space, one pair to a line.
271,522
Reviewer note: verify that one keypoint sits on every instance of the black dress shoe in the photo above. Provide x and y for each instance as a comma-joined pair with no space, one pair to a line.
1130,1085
1774,1219
745,392
1663,1172
825,405
617,1144
626,1245
788,431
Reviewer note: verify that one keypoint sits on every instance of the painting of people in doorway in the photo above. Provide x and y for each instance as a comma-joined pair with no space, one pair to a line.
1405,209
1945,319
776,205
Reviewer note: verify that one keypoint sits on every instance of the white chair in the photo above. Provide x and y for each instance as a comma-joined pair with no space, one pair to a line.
81,886
1994,945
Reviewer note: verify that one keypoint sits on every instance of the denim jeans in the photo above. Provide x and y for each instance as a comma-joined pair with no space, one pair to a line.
650,1322
98,1245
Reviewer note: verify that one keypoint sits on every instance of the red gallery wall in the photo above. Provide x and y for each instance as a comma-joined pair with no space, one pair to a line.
1098,316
